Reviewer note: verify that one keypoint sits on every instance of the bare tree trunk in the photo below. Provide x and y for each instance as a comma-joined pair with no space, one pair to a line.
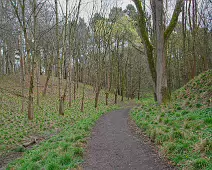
97,97
122,85
184,17
22,73
157,5
139,85
161,88
194,20
31,61
108,86
3,60
75,83
116,95
61,111
69,85
62,101
70,41
38,83
206,57
122,71
77,74
49,72
0,62
83,98
29,58
106,98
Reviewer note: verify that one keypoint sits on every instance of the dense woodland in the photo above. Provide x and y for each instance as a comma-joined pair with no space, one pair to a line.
117,52
148,47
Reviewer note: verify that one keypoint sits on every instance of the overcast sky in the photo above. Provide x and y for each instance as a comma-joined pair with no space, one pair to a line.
88,5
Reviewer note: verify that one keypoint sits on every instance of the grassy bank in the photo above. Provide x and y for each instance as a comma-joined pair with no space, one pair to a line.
182,129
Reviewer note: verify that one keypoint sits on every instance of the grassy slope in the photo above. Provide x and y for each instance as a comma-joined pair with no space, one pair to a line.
66,134
182,129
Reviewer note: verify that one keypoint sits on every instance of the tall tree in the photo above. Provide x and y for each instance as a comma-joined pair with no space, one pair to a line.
23,24
159,75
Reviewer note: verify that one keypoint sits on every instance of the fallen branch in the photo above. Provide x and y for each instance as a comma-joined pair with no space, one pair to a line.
34,141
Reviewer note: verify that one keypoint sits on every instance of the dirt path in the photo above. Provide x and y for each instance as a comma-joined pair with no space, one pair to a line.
113,146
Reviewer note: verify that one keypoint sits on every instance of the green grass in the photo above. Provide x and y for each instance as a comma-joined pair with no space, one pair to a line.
64,150
186,139
64,137
181,130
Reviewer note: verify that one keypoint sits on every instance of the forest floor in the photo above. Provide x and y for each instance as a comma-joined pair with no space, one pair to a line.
49,141
113,145
181,129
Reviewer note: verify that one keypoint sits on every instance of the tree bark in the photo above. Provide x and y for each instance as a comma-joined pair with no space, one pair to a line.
38,83
161,79
61,108
22,72
97,97
161,86
194,20
116,96
83,98
31,62
49,72
69,85
106,98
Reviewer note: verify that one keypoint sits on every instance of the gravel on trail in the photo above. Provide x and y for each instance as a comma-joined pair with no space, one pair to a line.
113,146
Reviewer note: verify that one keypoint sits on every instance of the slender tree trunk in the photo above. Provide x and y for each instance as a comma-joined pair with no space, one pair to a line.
0,62
7,62
29,58
49,72
122,86
106,98
31,62
139,85
97,97
116,95
184,41
108,87
22,73
83,98
3,60
69,85
206,55
62,101
194,19
61,109
38,83
75,83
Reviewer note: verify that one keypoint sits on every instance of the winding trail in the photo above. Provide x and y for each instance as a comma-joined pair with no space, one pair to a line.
113,146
